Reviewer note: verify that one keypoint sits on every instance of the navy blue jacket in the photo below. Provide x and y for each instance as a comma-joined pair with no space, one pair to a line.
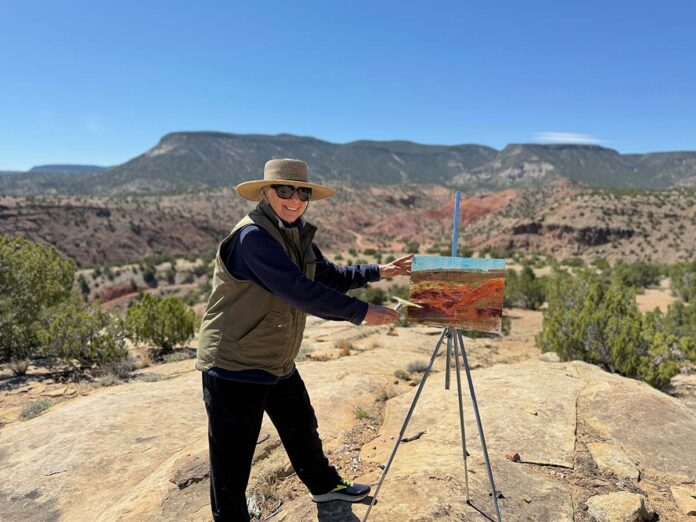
255,256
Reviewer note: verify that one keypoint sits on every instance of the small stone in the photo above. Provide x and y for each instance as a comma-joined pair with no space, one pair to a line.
396,381
549,357
512,456
619,507
532,411
189,470
70,391
685,497
526,499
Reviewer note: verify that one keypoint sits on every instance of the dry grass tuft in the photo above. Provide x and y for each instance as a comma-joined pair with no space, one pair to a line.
344,347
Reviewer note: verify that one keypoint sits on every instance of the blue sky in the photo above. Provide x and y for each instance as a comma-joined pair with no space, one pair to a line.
100,82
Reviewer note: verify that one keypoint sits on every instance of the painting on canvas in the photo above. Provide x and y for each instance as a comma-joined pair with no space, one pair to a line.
460,292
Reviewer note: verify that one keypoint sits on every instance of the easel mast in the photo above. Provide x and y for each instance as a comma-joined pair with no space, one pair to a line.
454,337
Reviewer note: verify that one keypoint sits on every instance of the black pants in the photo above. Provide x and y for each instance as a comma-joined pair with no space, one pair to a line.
235,411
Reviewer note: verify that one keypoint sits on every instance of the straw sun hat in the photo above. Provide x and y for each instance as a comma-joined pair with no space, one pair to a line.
283,172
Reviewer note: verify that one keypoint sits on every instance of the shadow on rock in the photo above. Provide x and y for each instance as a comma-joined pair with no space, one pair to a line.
338,511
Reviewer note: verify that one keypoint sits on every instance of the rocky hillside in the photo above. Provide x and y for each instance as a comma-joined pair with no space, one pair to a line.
563,219
67,168
190,161
567,441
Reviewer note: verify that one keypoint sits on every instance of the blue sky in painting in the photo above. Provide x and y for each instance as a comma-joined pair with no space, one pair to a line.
421,263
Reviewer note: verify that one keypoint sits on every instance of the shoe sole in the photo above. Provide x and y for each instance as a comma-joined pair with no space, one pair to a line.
329,497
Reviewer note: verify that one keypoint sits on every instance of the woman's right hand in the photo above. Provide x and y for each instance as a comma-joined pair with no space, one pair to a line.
377,315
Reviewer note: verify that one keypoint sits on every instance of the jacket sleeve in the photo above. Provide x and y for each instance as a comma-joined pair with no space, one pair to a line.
343,278
258,257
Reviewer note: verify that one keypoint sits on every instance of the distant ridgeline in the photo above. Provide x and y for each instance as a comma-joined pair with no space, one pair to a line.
186,161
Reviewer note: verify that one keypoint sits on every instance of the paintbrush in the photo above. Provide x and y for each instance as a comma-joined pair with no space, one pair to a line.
403,303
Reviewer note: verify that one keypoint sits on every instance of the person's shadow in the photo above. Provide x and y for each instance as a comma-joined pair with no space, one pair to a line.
338,511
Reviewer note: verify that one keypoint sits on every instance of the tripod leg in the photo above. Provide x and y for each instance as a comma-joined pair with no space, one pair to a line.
449,356
406,421
461,417
494,492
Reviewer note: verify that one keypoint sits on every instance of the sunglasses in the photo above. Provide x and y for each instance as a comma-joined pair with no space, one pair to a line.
286,192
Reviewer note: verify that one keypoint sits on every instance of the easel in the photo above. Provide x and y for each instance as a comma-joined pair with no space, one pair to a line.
454,337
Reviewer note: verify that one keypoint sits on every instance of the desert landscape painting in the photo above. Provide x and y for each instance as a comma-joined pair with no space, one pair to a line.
465,293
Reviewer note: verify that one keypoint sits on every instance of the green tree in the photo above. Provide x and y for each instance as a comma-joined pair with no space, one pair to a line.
683,276
591,321
369,294
90,335
639,274
33,278
150,276
524,290
84,286
163,321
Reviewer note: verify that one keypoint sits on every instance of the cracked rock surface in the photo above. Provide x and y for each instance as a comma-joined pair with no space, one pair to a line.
138,451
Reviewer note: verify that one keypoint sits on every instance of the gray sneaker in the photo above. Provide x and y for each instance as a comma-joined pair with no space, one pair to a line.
345,490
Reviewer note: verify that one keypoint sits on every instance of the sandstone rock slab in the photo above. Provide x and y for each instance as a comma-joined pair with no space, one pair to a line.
654,429
618,507
685,497
609,457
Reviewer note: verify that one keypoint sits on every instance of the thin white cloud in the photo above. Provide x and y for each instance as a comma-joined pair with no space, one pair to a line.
93,123
566,137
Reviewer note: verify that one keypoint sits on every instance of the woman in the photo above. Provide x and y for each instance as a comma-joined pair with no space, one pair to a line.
268,276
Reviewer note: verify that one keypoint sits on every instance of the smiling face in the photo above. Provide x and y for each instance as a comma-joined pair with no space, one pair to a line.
286,209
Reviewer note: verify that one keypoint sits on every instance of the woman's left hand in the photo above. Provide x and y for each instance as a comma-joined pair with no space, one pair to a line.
401,266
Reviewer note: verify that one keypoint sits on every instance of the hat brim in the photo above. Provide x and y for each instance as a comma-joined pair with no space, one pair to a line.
253,190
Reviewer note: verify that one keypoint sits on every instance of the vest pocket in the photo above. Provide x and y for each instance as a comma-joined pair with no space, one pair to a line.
267,342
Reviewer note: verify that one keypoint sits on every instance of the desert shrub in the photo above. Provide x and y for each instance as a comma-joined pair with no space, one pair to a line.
369,294
84,285
683,276
402,374
90,335
179,355
417,366
506,325
19,366
370,252
201,269
412,247
680,320
362,414
575,262
398,291
121,368
638,275
601,264
170,275
600,323
150,276
33,278
163,321
524,290
385,393
34,408
344,347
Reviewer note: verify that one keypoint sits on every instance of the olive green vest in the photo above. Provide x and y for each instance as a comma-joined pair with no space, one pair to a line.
245,326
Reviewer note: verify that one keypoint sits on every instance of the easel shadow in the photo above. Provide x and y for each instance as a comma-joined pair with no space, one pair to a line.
338,511
471,505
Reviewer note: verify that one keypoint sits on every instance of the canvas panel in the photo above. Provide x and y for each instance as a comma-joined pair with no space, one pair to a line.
460,292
